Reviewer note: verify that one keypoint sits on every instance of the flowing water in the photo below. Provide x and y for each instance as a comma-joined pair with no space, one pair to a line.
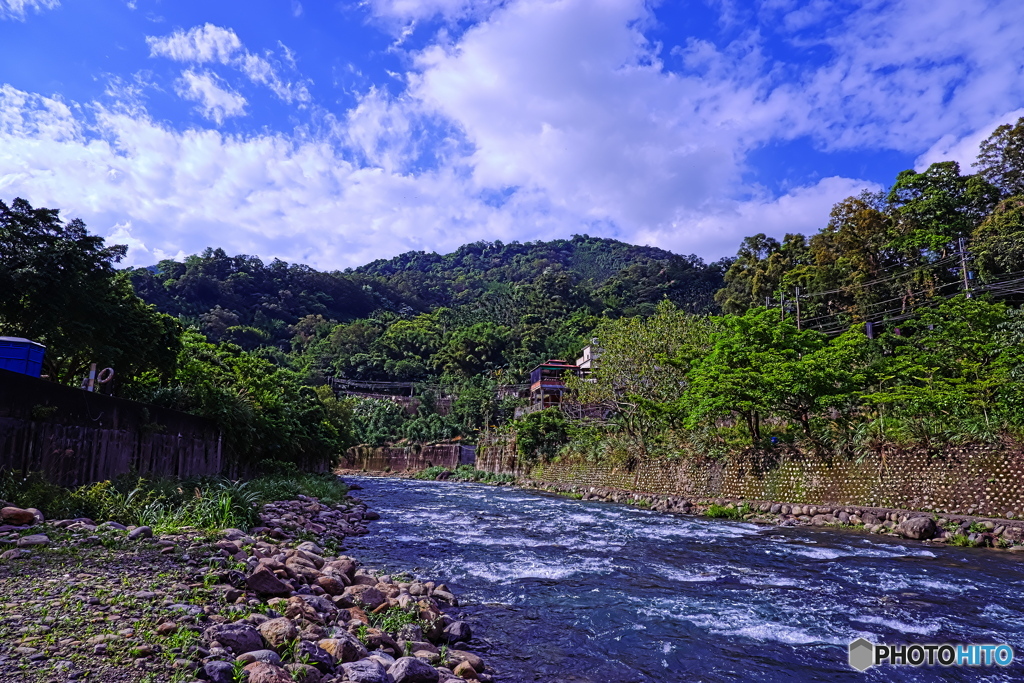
564,590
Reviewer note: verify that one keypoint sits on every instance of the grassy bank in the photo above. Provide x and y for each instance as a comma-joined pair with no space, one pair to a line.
465,473
167,504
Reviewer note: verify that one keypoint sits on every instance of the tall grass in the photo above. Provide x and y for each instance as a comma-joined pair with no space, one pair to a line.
168,504
466,473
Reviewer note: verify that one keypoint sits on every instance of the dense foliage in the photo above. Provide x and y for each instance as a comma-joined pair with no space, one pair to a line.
934,265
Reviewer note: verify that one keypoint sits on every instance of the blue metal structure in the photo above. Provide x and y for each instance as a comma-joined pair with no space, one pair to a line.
21,355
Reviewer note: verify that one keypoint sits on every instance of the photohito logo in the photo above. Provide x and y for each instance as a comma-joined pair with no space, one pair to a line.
864,654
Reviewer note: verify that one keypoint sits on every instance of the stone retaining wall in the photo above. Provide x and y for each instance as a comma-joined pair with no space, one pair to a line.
982,480
408,458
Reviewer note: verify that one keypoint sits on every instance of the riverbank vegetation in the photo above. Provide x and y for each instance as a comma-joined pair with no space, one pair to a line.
167,504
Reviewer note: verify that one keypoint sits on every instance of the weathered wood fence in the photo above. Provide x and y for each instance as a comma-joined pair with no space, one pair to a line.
75,437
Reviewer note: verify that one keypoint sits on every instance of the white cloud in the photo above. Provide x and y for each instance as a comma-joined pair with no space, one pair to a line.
903,74
215,102
166,192
209,43
407,11
17,9
569,98
296,8
803,210
964,149
540,119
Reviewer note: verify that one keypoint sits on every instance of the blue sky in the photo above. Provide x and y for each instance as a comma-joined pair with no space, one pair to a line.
333,133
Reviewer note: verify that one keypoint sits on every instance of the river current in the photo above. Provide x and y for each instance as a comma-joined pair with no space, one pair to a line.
563,590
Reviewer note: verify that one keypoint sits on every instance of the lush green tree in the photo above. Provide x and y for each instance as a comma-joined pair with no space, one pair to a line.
469,351
60,288
1001,158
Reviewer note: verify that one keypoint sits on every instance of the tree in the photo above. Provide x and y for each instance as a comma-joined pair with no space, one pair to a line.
468,351
60,288
757,367
763,268
642,369
1001,158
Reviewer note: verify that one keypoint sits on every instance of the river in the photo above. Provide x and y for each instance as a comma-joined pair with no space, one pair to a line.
563,590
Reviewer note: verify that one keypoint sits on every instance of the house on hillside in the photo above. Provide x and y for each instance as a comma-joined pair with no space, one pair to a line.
547,385
588,359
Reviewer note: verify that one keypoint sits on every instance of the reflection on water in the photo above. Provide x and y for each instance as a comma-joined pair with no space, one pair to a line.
564,590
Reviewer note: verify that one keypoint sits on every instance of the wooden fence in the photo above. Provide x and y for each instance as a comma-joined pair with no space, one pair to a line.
76,437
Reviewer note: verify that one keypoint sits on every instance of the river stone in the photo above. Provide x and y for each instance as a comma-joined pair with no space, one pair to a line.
412,670
239,638
319,603
314,655
310,547
465,670
262,672
139,533
362,594
278,631
268,656
302,567
457,631
264,582
34,539
17,516
344,646
365,671
474,660
219,672
869,519
917,528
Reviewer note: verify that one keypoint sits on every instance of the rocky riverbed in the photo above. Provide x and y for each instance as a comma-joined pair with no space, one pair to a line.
81,600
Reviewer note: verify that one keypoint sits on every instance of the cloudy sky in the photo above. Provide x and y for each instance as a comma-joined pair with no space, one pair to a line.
333,132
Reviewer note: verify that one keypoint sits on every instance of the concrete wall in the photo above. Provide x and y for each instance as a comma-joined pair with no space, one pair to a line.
984,480
75,437
408,458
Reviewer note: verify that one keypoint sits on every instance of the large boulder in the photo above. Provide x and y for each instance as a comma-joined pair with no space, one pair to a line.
302,567
239,638
331,585
917,528
412,670
463,656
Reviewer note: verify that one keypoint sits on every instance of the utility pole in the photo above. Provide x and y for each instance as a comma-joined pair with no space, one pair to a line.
782,305
963,267
798,328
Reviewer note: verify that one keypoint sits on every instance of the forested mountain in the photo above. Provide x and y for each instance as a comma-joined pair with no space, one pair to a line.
421,315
